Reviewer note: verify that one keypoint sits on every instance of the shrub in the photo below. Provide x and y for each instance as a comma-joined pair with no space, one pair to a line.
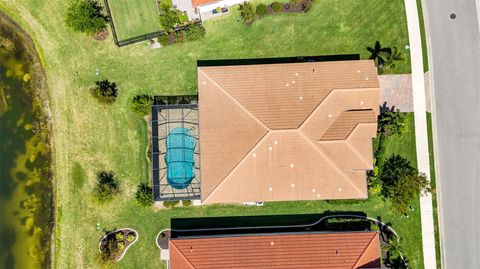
276,7
247,12
130,237
143,196
170,18
119,236
187,203
85,16
106,186
120,246
194,31
141,104
163,39
104,91
170,204
392,123
261,10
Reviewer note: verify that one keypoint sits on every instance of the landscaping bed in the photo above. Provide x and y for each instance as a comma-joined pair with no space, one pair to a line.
114,244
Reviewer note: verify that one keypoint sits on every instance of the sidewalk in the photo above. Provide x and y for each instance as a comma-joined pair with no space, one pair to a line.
423,160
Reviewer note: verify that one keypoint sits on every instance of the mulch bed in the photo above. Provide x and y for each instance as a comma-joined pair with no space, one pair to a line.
163,239
110,239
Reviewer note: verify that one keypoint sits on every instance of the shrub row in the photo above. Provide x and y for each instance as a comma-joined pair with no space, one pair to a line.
250,13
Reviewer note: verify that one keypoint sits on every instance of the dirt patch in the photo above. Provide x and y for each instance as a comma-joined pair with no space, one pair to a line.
102,35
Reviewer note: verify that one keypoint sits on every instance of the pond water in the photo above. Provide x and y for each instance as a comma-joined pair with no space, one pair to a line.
25,180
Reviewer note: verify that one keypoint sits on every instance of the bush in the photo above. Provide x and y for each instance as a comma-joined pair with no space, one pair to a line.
85,16
104,91
120,246
163,39
106,186
247,12
130,237
276,7
141,104
194,31
187,203
261,10
170,204
392,123
143,196
119,236
169,18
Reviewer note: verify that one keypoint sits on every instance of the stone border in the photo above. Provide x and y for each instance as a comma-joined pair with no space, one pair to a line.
125,250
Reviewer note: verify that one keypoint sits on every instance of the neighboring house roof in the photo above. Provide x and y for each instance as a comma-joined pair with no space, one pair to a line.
197,3
348,250
294,131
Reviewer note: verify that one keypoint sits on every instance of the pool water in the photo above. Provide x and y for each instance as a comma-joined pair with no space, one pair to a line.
179,158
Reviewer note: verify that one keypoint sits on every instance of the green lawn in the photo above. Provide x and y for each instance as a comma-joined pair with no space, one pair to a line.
423,35
433,185
89,137
134,18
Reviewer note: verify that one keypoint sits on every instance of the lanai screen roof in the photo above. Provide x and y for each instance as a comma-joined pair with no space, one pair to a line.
292,131
349,250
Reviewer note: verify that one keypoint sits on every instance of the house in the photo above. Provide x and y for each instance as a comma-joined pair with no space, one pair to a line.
286,131
340,250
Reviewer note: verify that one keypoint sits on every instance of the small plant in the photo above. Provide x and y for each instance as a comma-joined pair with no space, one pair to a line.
141,104
261,10
170,204
119,236
276,7
392,123
86,16
187,203
163,39
169,18
120,246
130,237
143,196
247,12
104,91
106,186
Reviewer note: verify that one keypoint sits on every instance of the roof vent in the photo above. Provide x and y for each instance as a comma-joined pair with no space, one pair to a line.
272,243
361,103
275,142
270,188
292,165
254,155
318,195
366,78
314,190
269,148
296,74
287,84
339,189
329,115
293,81
204,82
292,185
301,97
358,71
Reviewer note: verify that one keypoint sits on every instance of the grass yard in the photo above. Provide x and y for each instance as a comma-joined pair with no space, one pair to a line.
134,18
89,137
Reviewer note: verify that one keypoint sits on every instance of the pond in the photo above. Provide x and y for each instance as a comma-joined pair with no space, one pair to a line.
26,206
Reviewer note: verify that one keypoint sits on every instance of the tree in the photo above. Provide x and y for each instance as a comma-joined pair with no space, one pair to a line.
378,53
143,196
394,250
106,186
391,59
261,10
141,104
401,182
392,123
247,12
170,18
86,16
104,91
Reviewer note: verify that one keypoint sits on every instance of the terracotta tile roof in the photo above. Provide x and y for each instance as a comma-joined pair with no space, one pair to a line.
298,131
196,3
300,251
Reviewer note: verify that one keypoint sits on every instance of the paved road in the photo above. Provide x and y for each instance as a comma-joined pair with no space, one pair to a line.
455,62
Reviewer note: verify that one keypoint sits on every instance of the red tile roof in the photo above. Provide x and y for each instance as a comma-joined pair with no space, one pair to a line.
349,250
196,3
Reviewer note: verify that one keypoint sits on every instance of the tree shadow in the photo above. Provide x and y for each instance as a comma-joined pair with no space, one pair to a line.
385,108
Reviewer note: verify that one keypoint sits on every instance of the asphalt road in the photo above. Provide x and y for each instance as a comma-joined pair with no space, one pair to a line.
455,64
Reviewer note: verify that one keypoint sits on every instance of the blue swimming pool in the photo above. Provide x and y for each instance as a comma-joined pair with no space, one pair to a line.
179,158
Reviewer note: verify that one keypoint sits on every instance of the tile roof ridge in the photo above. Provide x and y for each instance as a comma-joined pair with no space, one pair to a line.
234,100
172,244
364,250
236,166
332,162
354,149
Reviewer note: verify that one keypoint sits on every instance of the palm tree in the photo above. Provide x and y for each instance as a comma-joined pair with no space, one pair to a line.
393,57
378,53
